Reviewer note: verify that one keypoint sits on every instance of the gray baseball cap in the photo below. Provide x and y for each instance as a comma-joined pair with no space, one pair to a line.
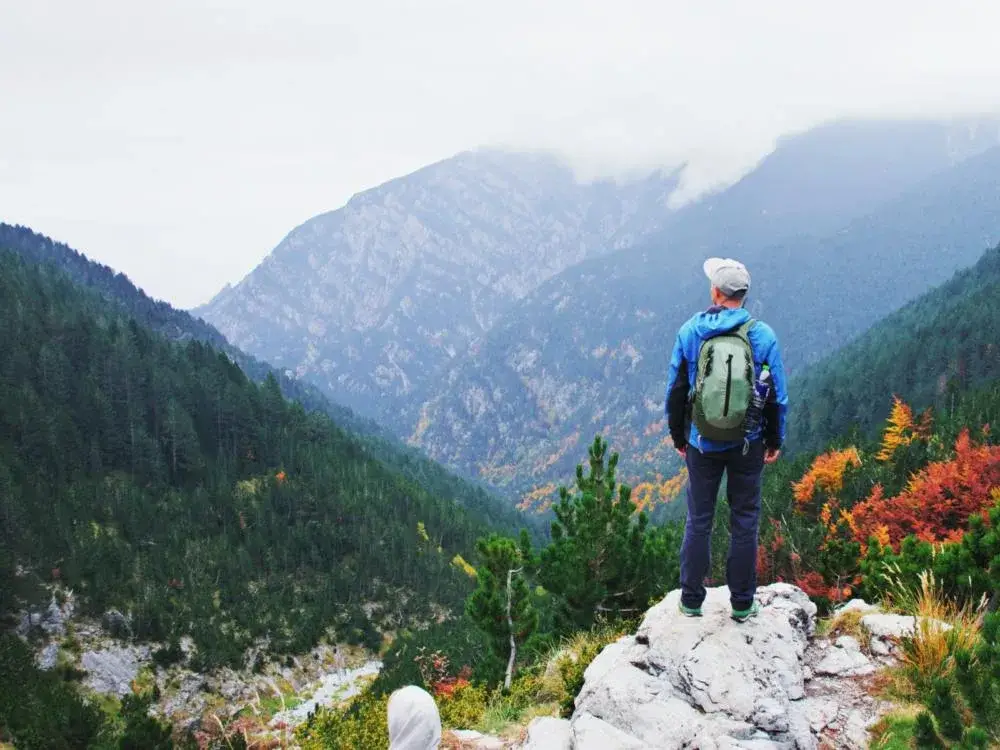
727,275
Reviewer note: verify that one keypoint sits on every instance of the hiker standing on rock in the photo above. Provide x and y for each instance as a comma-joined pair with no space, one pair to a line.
722,358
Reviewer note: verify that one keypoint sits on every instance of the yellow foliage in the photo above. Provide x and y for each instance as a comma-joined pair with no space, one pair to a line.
422,532
463,707
539,499
882,535
898,429
362,724
248,488
459,562
647,495
565,445
826,475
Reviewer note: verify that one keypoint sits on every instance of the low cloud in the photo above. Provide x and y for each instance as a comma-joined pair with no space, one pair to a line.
156,137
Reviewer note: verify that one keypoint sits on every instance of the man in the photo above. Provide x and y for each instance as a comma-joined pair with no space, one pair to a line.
740,451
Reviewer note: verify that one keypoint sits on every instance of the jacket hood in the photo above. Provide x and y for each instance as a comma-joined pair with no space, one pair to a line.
718,320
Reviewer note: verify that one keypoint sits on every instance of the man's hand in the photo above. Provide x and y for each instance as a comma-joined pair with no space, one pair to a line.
771,455
682,451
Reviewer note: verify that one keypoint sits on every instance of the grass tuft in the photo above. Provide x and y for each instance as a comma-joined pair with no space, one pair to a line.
943,627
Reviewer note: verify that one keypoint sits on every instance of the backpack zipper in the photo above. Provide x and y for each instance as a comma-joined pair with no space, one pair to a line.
729,384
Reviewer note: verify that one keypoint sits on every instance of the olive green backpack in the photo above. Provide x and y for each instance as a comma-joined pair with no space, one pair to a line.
724,386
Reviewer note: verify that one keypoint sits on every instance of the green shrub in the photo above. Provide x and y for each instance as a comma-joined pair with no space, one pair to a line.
167,655
459,640
894,732
463,708
942,705
363,724
579,653
924,735
37,709
975,739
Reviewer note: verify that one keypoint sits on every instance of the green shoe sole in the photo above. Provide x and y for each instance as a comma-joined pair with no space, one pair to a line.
742,615
689,611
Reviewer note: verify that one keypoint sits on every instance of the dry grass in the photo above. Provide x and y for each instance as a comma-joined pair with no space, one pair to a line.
942,628
848,623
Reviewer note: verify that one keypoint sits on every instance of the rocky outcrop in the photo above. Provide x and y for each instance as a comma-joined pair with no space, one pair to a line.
51,620
710,682
548,733
112,669
334,688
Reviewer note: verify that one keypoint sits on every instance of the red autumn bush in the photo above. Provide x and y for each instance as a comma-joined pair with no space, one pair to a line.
937,502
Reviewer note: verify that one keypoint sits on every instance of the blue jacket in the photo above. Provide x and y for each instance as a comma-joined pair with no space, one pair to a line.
684,371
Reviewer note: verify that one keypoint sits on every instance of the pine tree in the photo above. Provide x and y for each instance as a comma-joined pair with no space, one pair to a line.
942,705
599,562
978,676
501,604
924,735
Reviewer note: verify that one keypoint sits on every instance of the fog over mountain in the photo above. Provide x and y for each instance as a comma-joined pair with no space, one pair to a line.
178,142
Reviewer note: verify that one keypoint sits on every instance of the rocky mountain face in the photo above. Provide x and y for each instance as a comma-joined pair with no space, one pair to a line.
495,312
373,300
588,350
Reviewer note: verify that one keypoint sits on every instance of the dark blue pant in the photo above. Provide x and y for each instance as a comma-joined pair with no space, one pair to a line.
743,474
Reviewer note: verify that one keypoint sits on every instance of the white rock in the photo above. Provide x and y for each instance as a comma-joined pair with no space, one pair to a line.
473,740
848,642
888,626
845,662
820,712
49,656
681,681
856,605
591,733
334,687
880,647
548,733
111,670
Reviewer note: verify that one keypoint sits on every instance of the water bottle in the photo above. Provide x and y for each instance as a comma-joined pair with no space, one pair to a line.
761,392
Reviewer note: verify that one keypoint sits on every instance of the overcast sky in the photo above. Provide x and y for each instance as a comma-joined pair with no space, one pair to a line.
179,141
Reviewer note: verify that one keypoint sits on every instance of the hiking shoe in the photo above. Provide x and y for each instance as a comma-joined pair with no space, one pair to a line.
742,615
689,611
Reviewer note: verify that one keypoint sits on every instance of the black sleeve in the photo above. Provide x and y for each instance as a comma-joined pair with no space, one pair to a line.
677,407
771,437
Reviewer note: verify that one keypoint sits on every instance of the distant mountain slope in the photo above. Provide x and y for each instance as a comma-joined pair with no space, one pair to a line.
816,181
945,340
387,302
154,478
588,350
373,300
179,325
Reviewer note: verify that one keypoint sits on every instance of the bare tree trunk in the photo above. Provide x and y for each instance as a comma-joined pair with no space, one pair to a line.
510,630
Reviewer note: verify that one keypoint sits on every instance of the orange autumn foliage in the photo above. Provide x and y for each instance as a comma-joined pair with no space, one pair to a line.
826,475
937,502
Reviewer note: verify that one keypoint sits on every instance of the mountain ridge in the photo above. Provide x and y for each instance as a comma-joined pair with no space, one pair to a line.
372,299
179,325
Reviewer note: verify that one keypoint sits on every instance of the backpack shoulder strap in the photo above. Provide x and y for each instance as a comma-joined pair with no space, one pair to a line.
744,330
